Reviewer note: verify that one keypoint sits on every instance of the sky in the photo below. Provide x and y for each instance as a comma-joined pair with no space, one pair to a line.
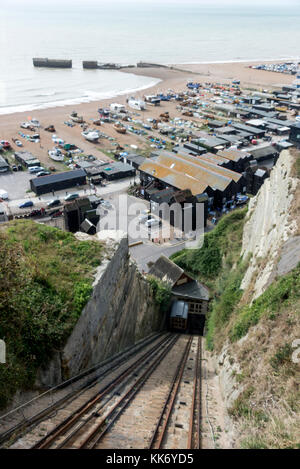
197,2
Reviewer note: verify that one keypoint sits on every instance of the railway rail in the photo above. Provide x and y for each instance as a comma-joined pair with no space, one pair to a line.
60,436
23,418
153,401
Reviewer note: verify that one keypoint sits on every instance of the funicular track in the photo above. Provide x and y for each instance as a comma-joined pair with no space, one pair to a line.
152,401
25,417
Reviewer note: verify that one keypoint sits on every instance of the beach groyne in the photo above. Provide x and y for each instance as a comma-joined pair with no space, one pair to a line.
150,65
52,63
94,65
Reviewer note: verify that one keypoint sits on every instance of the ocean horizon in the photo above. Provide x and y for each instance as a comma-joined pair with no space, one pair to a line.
160,33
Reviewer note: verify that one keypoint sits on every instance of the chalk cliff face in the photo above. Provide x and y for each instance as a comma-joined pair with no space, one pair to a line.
120,312
271,237
270,232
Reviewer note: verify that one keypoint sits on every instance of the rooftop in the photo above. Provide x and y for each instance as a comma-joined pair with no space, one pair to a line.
166,270
193,290
53,178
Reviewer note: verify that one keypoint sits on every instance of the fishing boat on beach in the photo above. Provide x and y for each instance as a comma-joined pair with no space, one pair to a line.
75,118
152,100
91,136
137,104
120,128
56,155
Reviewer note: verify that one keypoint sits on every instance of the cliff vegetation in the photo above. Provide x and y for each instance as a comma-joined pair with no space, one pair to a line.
46,278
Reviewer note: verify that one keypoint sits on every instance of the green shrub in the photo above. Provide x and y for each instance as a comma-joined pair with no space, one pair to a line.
282,356
240,407
206,261
82,293
162,293
278,294
46,278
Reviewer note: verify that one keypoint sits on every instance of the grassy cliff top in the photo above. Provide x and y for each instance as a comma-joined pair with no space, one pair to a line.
46,278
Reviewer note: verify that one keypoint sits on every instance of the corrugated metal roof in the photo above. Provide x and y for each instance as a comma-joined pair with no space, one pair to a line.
25,155
264,152
247,128
219,160
208,140
173,178
233,155
213,167
53,178
192,168
189,172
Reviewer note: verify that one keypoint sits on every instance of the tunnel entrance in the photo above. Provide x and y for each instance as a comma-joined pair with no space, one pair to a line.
196,323
188,317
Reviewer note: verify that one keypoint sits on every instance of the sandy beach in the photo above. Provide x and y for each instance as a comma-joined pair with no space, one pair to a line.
170,79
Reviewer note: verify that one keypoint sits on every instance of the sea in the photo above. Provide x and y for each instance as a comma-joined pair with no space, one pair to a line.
126,32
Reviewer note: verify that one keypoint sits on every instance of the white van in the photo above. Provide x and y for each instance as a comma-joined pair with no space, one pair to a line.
3,194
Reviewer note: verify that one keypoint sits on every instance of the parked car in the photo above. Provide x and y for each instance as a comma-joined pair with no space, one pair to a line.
143,218
36,169
153,222
53,203
3,194
241,199
43,173
71,197
36,213
14,167
58,213
26,204
106,204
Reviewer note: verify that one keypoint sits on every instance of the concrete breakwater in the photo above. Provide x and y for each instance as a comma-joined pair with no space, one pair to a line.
93,64
52,63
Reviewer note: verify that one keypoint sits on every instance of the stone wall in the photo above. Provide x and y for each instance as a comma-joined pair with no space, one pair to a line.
120,312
